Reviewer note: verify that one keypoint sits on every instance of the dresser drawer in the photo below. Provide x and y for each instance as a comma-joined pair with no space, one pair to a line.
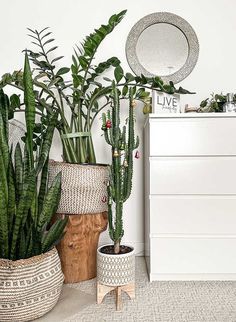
192,136
192,256
193,175
193,215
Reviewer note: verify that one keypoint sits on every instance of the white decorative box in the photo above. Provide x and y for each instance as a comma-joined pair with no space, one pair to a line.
165,103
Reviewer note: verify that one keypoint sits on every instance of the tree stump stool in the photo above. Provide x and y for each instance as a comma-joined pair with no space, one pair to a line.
78,248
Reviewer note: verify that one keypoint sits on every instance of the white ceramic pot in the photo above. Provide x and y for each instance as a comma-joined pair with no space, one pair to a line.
29,288
115,270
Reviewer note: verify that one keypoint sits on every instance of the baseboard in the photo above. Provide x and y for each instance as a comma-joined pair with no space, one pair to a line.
192,277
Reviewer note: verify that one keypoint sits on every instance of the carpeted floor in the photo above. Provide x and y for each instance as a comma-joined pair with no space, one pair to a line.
162,302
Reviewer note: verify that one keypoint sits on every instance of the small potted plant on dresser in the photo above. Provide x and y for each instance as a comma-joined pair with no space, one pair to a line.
31,278
116,263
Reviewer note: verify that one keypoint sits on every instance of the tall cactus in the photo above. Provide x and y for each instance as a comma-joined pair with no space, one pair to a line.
121,171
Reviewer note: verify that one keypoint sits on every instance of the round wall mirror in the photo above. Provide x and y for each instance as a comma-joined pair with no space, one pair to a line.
162,44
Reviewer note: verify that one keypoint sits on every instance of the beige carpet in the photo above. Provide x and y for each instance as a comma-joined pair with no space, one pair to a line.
159,302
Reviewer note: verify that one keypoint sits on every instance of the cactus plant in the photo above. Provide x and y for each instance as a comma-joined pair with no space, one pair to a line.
26,202
123,142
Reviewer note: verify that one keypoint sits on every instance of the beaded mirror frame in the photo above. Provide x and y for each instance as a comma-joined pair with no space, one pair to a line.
174,20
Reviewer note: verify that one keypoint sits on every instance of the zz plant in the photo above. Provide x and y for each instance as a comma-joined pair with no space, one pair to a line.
27,204
123,142
84,88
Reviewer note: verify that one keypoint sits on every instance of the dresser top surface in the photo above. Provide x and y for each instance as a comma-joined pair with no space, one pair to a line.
191,115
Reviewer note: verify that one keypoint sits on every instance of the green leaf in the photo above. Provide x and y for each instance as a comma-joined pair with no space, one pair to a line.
15,101
3,209
107,79
29,100
119,73
54,234
18,171
62,71
29,184
46,144
50,203
125,90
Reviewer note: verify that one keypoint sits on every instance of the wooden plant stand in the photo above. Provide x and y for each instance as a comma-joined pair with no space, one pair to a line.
78,248
103,290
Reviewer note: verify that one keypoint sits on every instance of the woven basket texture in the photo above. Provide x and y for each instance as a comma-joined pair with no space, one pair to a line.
84,187
16,132
29,288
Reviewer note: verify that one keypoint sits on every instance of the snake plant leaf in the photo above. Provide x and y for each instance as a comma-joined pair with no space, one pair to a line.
4,110
11,194
3,209
22,245
43,186
46,145
23,208
50,203
4,142
54,234
18,171
29,100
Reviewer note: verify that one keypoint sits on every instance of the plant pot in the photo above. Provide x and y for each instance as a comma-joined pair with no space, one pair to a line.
31,287
84,187
84,200
115,272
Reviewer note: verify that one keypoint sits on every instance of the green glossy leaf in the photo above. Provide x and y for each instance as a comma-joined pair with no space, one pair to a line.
62,71
119,73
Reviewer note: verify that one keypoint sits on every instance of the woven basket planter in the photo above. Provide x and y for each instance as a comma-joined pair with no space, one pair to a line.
84,187
115,270
84,200
29,288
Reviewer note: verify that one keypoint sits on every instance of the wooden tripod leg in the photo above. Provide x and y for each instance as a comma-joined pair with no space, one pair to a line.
102,291
118,298
130,290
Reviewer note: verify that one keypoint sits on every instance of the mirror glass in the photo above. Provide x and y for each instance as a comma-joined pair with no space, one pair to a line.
162,49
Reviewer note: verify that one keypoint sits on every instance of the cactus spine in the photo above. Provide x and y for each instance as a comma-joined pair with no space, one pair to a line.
121,171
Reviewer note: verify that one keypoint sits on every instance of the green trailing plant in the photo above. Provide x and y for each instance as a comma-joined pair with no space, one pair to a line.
123,142
27,204
84,88
214,104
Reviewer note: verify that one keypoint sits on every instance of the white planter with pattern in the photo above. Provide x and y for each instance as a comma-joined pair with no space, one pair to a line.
29,288
115,270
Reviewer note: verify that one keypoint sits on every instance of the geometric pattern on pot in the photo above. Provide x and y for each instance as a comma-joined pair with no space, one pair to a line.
31,287
115,270
84,187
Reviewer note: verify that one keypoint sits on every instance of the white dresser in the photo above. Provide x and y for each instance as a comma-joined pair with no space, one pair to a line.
190,196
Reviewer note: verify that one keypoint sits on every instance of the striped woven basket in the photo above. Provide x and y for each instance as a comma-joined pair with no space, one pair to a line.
84,187
29,288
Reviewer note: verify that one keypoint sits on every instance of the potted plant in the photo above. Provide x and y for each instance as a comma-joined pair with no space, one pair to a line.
30,271
116,263
85,95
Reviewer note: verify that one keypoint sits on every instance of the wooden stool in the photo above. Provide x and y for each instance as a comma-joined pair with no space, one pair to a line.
78,248
103,290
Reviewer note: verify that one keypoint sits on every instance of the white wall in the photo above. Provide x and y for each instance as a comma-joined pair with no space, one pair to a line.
71,20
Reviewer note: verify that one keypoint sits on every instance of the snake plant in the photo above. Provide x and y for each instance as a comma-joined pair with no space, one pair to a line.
27,204
83,89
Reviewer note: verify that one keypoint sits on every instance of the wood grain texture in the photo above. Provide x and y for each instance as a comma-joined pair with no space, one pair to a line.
103,290
78,248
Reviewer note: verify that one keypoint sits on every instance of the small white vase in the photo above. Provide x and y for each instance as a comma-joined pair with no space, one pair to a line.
115,270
